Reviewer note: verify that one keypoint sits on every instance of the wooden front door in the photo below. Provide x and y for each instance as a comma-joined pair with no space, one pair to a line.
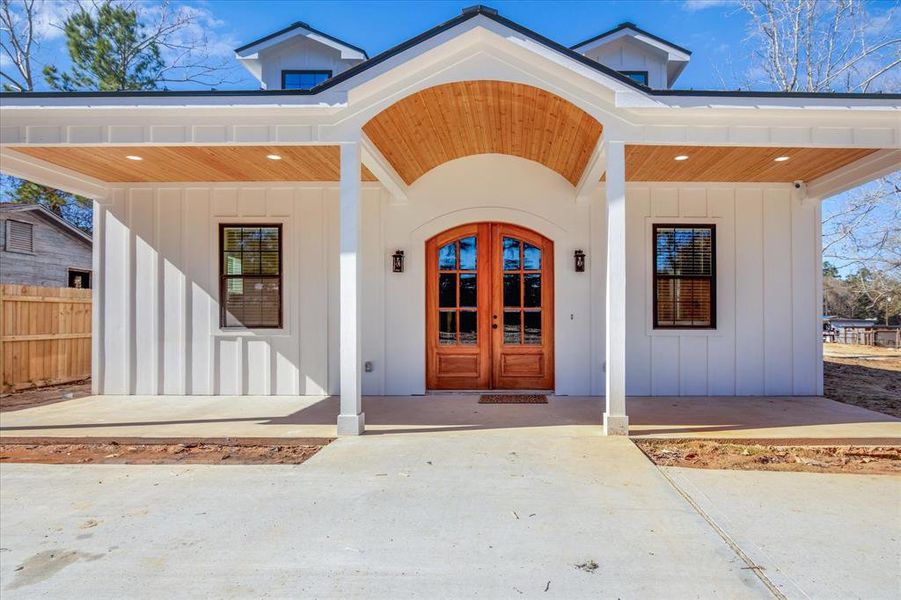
489,309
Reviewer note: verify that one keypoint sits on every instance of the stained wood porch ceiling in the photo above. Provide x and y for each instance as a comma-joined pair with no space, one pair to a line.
735,163
197,163
450,121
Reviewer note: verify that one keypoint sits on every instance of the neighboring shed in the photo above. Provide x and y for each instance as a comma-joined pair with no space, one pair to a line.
39,248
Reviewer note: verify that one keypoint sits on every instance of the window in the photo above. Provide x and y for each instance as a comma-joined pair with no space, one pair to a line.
303,80
19,236
684,276
639,76
79,278
250,273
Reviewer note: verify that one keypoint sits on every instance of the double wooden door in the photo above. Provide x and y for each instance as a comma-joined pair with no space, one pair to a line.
489,309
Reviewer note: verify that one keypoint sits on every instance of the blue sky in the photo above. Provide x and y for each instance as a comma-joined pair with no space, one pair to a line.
714,30
711,29
703,28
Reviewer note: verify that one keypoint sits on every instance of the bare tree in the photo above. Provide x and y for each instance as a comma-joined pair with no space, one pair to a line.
824,45
17,39
836,46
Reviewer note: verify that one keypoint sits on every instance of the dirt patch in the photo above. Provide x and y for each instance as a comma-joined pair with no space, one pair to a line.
705,454
46,395
865,376
249,451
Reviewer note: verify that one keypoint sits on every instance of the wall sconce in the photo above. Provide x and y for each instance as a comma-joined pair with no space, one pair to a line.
397,261
579,257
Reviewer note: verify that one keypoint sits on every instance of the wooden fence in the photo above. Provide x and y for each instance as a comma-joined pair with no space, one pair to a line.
45,335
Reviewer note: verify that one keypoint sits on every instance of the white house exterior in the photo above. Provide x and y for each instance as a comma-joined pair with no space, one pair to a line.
479,129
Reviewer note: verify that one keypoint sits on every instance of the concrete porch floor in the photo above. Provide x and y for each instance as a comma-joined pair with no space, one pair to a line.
807,418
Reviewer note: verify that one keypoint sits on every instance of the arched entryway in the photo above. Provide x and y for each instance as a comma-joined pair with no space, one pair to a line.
489,308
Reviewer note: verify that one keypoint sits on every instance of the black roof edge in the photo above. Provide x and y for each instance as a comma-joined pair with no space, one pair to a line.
297,25
461,18
633,27
157,94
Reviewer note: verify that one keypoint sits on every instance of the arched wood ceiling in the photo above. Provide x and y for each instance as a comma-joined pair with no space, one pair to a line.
450,121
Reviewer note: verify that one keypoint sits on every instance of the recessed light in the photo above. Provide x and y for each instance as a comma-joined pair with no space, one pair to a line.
273,157
682,157
781,158
133,157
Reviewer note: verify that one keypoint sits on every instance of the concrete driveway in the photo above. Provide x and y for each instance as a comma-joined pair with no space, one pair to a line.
488,514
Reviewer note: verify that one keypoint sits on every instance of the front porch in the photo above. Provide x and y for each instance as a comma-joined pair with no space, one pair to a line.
790,418
245,244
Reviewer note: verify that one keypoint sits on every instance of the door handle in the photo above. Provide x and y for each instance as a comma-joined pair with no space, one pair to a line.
494,326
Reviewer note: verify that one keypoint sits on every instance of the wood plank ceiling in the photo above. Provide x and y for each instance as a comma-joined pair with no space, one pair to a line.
735,163
454,120
196,163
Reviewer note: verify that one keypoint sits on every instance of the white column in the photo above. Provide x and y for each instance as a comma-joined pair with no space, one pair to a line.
350,419
615,420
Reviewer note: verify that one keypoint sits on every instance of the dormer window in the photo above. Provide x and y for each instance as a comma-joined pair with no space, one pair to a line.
303,80
638,76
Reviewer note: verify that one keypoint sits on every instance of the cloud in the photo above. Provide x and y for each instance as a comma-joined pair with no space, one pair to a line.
696,5
49,18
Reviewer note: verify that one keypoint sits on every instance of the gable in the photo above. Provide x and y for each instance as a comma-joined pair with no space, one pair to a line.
628,54
39,218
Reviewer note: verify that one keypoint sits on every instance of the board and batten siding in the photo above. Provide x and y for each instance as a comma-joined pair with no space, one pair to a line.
156,300
767,332
159,291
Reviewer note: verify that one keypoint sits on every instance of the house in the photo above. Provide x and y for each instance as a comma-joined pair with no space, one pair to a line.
37,247
479,207
860,331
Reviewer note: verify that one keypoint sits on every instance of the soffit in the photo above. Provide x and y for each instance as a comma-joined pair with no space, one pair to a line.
197,163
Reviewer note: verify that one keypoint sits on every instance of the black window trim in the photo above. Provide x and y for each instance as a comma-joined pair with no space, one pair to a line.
223,277
656,276
88,272
647,77
327,72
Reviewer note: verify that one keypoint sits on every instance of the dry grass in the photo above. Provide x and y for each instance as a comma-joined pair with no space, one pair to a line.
865,376
132,452
45,395
709,454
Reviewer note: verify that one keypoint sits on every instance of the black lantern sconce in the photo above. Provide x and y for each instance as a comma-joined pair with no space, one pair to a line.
397,261
579,257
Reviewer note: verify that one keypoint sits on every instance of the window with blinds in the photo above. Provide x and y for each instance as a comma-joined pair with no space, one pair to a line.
684,276
19,236
250,273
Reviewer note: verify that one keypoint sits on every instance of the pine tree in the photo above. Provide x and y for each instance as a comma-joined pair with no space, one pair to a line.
110,51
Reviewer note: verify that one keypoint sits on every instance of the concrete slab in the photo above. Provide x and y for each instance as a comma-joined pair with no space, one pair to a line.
314,416
756,417
490,514
815,535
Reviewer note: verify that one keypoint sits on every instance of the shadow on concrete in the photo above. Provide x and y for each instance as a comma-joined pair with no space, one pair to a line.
696,416
649,416
389,414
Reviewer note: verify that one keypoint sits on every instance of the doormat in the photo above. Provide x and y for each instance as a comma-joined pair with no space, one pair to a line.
513,399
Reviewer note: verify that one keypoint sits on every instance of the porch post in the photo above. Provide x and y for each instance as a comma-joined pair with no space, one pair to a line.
615,420
350,419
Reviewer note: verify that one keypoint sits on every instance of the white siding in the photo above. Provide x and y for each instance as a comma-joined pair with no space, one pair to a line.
765,341
626,54
159,293
300,54
160,306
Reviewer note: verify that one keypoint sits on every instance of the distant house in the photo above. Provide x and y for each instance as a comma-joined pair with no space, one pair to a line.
39,248
842,323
